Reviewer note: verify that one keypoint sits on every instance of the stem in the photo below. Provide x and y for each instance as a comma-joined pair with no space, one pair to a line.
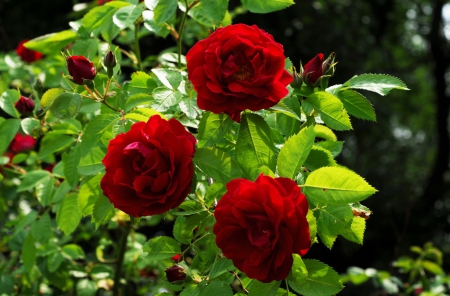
136,46
287,287
180,33
121,255
90,92
107,88
239,279
109,106
193,243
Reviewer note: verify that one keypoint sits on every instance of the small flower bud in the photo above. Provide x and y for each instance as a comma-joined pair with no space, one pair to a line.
328,64
175,273
109,60
80,68
313,70
177,258
297,82
27,55
24,105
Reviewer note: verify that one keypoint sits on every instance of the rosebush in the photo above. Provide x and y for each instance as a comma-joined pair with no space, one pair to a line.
222,162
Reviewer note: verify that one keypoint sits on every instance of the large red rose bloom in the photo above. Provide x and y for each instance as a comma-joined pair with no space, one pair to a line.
238,67
261,224
149,169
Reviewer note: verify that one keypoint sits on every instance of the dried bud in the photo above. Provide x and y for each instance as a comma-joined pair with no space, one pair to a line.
175,273
24,105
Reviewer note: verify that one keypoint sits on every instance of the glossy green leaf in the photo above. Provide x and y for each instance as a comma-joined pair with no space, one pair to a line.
254,146
164,98
161,247
53,42
324,132
355,103
86,287
333,220
73,251
190,108
220,267
29,125
334,147
54,261
136,100
164,11
8,129
95,129
212,128
68,216
356,231
170,78
256,288
126,16
336,185
321,280
84,47
262,6
319,157
7,101
294,153
91,164
89,193
52,143
44,191
66,105
28,252
210,12
70,162
218,288
379,83
331,110
216,164
50,96
100,17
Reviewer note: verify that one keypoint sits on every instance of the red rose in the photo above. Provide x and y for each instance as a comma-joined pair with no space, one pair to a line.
149,169
175,274
24,105
313,70
22,143
261,224
27,55
80,68
101,2
238,67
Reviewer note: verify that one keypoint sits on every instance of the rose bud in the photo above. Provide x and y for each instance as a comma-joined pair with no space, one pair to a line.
24,105
313,70
110,62
177,258
22,143
297,82
80,69
27,55
175,273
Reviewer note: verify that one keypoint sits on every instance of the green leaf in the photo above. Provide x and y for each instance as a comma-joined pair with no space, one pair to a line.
136,100
100,17
66,105
6,285
95,129
190,207
209,12
30,179
355,103
29,125
84,47
164,11
7,101
319,157
61,191
335,147
53,42
161,247
299,273
143,114
170,78
263,6
336,185
149,24
190,108
44,191
333,220
331,110
212,128
86,287
103,209
254,146
379,83
68,216
164,98
324,132
52,143
216,164
89,193
321,280
28,252
432,267
256,288
8,129
218,288
41,229
356,231
183,230
127,15
70,162
91,164
50,96
294,153
73,251
220,267
214,192
54,261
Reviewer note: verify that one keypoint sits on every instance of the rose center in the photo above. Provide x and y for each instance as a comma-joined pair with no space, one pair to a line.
238,68
261,234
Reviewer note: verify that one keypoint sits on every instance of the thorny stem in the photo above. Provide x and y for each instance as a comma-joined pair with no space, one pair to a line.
121,255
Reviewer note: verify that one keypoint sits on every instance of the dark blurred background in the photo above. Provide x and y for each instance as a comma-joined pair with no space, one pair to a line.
405,155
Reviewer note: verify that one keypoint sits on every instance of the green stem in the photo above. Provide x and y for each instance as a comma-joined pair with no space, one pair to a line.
136,46
109,106
287,287
121,255
180,33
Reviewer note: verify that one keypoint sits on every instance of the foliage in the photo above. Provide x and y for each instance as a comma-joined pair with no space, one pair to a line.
60,234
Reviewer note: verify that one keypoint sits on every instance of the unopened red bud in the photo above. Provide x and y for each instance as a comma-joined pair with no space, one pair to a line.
177,258
109,60
313,70
175,273
24,105
80,69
